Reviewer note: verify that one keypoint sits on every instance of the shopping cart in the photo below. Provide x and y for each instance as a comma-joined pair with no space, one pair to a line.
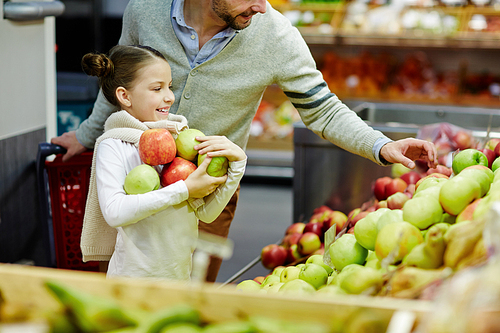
62,191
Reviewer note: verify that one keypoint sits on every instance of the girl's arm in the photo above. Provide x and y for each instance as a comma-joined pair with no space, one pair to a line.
221,146
119,209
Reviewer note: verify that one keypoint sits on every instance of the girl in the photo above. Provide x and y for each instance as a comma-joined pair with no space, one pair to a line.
152,234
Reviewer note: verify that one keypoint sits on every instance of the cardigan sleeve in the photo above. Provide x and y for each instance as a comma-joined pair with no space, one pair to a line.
217,200
118,208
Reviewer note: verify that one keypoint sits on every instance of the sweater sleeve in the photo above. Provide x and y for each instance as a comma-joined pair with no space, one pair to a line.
217,200
118,208
93,127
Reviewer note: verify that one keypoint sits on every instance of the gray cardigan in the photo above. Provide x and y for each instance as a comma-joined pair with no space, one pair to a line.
221,95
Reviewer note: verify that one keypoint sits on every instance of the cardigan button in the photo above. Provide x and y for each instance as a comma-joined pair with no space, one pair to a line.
187,95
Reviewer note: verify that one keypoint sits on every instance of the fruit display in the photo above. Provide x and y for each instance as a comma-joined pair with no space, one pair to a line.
176,157
421,227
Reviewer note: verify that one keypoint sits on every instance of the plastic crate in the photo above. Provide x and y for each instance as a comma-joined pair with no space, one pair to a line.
68,188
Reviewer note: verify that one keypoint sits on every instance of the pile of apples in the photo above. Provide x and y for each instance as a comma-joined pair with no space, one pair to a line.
303,239
176,157
419,228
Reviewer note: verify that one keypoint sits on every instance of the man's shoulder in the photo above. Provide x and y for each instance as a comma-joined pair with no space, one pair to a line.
145,5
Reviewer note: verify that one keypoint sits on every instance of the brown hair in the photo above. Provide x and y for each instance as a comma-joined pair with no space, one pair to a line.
119,68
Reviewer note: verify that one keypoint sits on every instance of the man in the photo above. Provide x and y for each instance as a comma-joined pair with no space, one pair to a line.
223,55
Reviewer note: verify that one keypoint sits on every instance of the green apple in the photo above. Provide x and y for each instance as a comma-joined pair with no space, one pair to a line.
318,259
314,274
483,175
345,272
431,191
345,251
289,273
365,280
331,289
397,239
218,165
274,288
468,157
269,281
457,193
422,211
398,169
496,164
365,230
248,285
430,182
297,286
141,179
185,143
277,270
391,216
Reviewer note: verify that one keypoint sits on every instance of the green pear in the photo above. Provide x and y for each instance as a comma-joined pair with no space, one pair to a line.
457,193
346,250
364,280
422,211
297,286
366,229
391,216
345,272
248,285
397,240
429,254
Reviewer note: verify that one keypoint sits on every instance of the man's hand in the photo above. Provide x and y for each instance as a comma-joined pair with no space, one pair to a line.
406,151
69,141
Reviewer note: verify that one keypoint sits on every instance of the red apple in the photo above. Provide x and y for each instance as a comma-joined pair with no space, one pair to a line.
440,169
273,255
157,146
397,200
308,243
321,209
297,227
178,169
411,177
462,140
336,217
357,217
490,155
396,185
315,227
259,279
292,254
467,213
291,239
351,231
492,143
381,204
379,187
410,190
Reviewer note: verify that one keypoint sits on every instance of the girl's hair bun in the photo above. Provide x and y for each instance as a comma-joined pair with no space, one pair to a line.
97,65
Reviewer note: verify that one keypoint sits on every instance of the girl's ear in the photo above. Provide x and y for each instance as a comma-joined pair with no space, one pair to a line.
123,97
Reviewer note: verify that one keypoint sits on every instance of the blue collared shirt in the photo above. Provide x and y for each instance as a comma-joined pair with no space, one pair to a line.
189,38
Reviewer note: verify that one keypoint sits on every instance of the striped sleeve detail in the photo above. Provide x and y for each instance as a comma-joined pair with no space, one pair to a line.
314,103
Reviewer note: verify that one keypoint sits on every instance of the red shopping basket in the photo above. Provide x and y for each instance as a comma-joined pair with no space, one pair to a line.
68,184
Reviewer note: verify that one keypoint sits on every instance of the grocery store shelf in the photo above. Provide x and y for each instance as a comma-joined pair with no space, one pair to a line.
269,163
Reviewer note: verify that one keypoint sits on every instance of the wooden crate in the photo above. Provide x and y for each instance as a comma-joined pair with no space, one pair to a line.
23,286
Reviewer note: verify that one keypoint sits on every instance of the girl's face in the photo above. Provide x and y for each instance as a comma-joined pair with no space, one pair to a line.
150,98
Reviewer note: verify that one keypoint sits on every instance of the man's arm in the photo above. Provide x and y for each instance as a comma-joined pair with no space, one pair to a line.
89,130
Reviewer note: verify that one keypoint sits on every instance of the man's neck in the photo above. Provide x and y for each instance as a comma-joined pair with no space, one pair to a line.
199,15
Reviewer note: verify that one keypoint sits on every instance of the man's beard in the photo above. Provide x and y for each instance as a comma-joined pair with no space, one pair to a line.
220,8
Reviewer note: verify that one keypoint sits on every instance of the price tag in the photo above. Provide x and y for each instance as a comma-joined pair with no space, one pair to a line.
329,239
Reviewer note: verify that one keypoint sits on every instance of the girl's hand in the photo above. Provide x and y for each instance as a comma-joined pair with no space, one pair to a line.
200,184
216,145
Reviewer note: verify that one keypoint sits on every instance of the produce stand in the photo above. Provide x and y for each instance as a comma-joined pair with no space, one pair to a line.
22,288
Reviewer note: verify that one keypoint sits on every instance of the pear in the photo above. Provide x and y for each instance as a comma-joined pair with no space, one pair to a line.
430,253
408,280
365,280
462,241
